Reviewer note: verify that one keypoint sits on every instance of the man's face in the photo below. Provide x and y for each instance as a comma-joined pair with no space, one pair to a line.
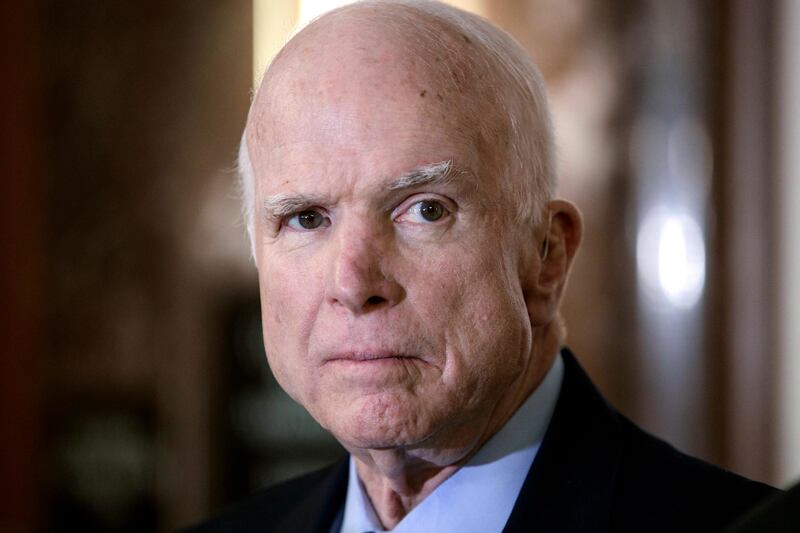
393,313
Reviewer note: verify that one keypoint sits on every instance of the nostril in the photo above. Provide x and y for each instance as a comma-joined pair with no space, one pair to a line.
375,300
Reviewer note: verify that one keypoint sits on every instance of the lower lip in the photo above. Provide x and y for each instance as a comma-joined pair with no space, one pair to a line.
370,376
376,361
381,368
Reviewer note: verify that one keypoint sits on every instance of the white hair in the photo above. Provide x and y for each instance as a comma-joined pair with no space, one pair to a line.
516,88
247,189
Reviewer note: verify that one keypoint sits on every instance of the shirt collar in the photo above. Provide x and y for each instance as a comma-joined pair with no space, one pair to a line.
480,495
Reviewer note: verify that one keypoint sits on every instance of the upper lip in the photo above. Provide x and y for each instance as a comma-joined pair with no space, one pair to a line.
366,355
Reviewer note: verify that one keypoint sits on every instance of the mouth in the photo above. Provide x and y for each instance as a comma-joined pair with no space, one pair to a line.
368,356
368,371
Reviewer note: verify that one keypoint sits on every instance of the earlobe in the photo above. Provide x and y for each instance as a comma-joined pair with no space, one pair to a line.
547,275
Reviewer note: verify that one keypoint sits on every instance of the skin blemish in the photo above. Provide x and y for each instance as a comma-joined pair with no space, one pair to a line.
466,39
440,97
423,93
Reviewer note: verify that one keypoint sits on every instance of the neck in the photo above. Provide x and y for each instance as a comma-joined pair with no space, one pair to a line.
397,479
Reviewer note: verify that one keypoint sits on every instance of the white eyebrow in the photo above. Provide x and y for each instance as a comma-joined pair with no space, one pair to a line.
434,173
280,205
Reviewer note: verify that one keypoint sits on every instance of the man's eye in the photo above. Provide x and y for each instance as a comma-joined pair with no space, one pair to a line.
427,211
307,220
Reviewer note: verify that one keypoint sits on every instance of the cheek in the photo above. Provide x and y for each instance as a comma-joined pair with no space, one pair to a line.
493,327
289,302
290,293
488,331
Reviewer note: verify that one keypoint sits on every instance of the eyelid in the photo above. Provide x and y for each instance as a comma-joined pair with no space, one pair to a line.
284,223
405,207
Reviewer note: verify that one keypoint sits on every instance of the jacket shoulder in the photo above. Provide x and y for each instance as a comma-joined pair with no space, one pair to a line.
597,471
313,496
658,484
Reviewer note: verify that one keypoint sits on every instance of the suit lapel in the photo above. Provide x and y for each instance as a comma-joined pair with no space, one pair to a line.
316,511
571,483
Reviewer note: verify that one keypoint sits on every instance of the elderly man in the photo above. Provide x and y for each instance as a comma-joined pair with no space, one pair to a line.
398,173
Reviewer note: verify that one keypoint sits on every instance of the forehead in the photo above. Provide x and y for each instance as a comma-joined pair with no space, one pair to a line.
370,158
372,110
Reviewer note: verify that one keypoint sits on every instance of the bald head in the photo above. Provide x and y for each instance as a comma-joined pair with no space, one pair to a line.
449,68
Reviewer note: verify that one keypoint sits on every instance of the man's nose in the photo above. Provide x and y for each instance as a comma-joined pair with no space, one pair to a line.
359,281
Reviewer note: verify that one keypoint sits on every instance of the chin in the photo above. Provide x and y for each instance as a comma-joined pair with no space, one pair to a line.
379,440
381,423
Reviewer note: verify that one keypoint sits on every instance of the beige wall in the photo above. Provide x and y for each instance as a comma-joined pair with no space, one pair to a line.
789,223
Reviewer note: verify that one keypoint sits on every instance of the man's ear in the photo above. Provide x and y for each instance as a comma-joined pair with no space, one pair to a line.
558,238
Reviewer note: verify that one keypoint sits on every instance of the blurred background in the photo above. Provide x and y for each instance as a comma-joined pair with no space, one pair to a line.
134,394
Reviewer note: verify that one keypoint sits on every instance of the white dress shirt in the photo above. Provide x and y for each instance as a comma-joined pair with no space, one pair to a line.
480,495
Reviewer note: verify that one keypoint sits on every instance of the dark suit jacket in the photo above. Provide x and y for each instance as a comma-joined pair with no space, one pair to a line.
777,514
595,471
